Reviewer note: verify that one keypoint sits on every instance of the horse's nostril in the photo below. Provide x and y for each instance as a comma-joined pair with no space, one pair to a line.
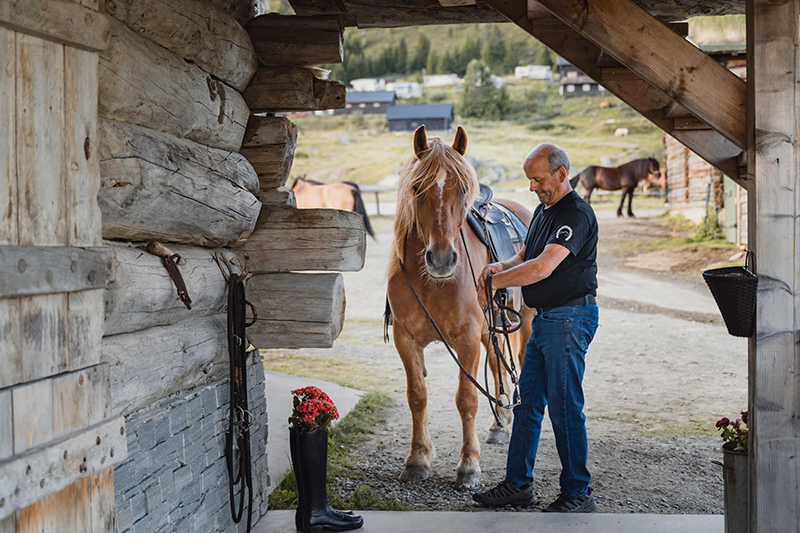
454,258
429,257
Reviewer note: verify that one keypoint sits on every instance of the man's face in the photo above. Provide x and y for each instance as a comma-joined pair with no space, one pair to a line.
542,182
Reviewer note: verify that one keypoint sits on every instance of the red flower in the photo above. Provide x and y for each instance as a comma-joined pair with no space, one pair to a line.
723,422
745,417
312,408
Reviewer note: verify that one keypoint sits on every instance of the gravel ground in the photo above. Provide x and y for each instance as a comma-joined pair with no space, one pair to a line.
656,382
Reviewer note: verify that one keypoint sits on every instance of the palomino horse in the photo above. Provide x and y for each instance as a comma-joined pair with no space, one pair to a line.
344,195
436,187
625,177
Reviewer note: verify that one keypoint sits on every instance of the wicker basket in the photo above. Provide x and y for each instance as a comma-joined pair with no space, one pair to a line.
734,289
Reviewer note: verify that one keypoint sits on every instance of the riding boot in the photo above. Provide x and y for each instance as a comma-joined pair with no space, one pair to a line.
317,514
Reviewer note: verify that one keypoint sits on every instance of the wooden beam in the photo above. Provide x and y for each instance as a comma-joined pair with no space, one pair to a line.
307,239
297,41
683,72
307,8
773,229
60,21
296,310
269,145
155,186
293,89
32,270
242,10
207,37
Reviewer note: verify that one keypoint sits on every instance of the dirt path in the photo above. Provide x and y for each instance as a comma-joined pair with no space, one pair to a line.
657,379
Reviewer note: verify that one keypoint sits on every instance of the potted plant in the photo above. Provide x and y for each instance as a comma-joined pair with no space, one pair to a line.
734,471
312,414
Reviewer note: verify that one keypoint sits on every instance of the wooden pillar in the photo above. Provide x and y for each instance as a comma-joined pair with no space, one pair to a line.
774,232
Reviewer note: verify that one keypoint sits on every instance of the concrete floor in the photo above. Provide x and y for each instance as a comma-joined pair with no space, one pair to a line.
487,521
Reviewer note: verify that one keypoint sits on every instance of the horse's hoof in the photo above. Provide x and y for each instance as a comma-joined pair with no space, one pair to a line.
497,436
468,480
414,473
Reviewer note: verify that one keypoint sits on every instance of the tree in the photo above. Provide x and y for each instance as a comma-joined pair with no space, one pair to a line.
480,97
433,65
401,57
494,49
420,59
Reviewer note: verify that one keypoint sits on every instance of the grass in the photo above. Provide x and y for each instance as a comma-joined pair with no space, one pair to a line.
684,233
353,430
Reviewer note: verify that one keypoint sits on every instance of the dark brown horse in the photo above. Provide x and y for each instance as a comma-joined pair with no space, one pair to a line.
344,195
625,177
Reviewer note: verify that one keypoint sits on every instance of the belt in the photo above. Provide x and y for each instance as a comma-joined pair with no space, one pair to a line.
583,300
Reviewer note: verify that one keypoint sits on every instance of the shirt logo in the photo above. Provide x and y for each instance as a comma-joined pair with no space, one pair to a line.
564,232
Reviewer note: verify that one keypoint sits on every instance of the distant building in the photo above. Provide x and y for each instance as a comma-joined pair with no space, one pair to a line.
576,83
410,117
368,102
440,80
372,84
405,89
534,72
498,82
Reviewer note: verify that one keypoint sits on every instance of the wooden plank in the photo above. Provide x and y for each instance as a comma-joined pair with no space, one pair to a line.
242,10
689,123
269,145
775,387
81,144
143,83
292,89
280,198
32,415
154,186
296,310
60,21
297,41
207,37
8,165
6,428
80,398
102,498
8,525
141,294
683,72
85,322
47,469
32,270
43,337
307,239
152,364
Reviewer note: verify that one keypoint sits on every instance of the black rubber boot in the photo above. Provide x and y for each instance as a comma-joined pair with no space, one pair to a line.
317,514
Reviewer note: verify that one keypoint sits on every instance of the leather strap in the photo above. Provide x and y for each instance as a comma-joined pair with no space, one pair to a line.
170,261
583,300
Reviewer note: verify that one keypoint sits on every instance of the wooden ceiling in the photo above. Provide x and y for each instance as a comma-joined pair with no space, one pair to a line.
397,13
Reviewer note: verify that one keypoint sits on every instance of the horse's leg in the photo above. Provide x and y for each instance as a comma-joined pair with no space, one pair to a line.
588,195
630,201
621,202
417,463
469,468
498,434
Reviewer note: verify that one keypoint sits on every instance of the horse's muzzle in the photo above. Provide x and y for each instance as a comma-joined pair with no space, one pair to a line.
441,265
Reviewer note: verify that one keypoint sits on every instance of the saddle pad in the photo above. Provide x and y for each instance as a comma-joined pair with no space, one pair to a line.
498,228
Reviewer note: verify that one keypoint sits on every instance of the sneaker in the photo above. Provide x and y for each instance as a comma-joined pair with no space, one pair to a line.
564,504
504,494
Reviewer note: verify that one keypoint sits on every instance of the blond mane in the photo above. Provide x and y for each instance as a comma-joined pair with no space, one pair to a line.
422,174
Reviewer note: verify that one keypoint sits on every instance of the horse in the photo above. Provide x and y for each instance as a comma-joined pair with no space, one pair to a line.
441,257
344,195
625,177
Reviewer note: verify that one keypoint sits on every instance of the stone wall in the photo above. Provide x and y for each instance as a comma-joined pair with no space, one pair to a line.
175,478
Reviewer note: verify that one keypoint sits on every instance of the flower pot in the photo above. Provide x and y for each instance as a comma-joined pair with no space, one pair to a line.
734,474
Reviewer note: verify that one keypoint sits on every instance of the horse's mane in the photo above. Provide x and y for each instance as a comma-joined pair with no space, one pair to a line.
418,176
306,180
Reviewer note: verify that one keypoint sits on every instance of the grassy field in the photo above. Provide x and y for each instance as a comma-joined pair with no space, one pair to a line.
361,149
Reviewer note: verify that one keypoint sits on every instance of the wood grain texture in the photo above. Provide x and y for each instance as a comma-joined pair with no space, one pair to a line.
32,270
195,31
59,21
280,198
307,239
292,89
6,428
152,364
32,414
242,10
298,41
141,294
296,310
774,229
154,186
8,163
269,145
145,84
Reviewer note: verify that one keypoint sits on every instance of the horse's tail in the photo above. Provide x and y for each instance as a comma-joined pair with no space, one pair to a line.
574,180
387,321
358,207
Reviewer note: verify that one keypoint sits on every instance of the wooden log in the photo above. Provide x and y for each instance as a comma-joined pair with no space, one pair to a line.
292,89
307,239
152,364
279,198
296,310
297,41
269,145
32,270
154,186
59,21
145,84
207,37
141,294
242,10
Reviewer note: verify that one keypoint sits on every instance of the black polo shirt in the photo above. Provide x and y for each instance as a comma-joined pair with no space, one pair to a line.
572,224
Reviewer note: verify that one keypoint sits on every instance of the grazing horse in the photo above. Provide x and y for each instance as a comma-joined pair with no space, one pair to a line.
436,188
344,195
625,177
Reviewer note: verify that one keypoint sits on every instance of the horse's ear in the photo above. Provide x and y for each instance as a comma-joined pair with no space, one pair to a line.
460,142
420,141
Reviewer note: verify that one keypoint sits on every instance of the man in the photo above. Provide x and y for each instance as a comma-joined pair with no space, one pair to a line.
557,271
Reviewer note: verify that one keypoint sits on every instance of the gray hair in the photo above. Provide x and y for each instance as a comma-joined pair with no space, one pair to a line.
557,158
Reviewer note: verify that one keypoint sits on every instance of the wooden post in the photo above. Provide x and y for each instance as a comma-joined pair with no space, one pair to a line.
774,384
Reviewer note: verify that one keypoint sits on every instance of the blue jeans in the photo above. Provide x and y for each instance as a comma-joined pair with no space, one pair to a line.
552,373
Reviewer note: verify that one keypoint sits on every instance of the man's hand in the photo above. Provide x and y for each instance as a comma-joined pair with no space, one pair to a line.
491,268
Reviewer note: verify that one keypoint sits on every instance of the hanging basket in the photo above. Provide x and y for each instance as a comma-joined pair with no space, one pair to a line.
734,289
